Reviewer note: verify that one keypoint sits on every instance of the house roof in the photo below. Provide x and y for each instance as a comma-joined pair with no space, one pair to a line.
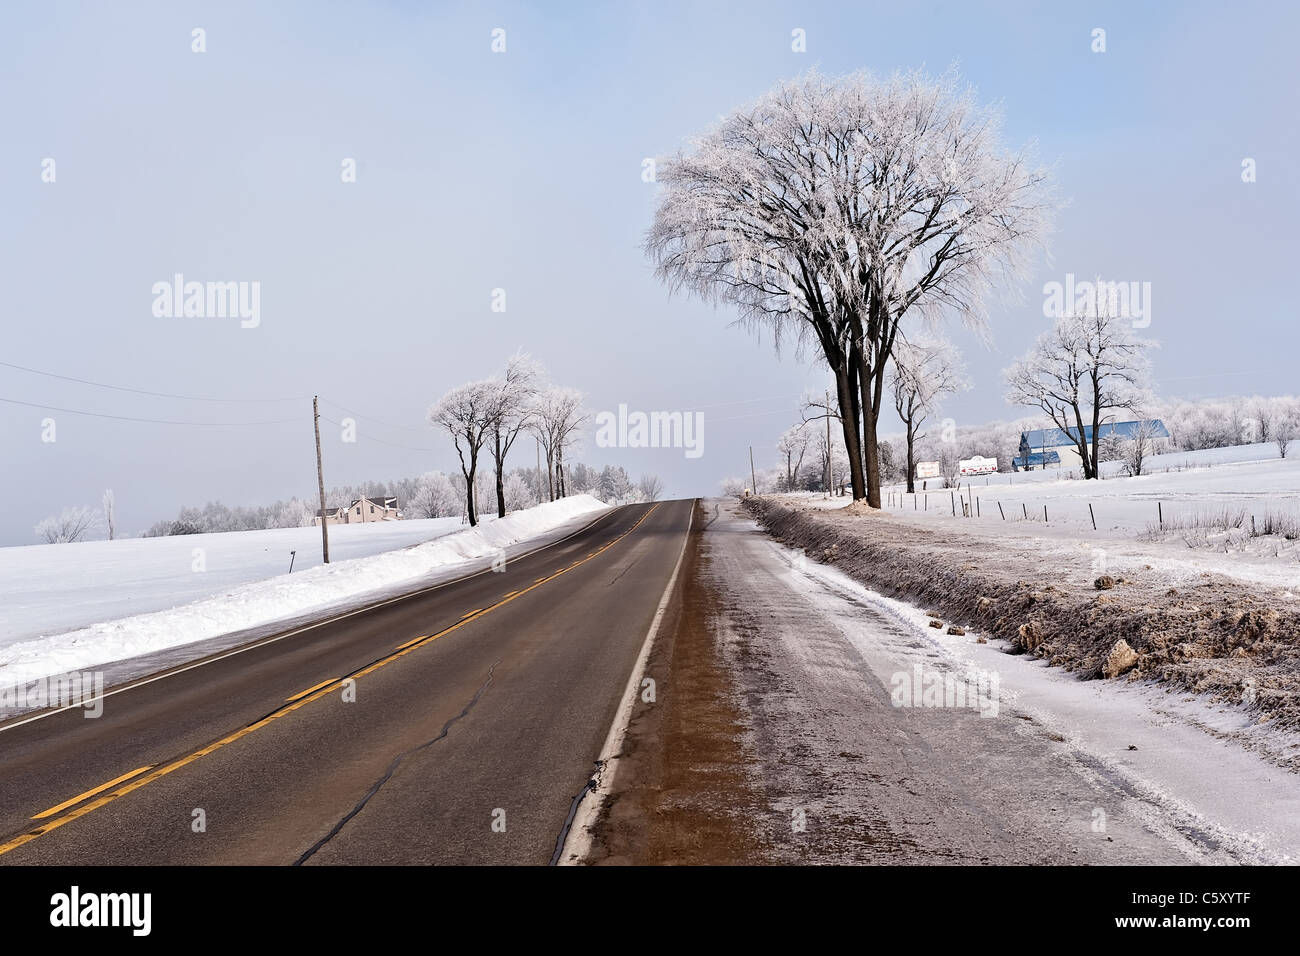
384,501
1057,437
1037,458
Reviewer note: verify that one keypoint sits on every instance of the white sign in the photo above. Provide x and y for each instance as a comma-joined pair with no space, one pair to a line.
978,466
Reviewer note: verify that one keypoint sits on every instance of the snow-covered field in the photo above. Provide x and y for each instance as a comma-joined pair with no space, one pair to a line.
1252,477
1181,486
67,575
48,588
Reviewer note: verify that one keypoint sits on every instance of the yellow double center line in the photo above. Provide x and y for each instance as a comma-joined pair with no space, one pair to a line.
135,781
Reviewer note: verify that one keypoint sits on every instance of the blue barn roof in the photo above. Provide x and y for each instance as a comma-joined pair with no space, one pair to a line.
1037,460
1057,437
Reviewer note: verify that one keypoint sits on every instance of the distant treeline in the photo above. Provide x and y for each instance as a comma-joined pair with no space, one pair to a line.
431,495
1193,425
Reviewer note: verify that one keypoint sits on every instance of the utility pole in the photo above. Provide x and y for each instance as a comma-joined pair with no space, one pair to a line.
538,443
752,479
320,481
827,393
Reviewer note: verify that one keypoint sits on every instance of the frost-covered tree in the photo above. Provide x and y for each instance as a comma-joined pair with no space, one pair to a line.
1198,425
614,486
579,479
949,466
1082,371
71,524
110,513
433,496
890,468
482,489
468,413
293,513
557,418
924,373
535,480
1110,448
831,210
516,393
1284,430
517,494
733,487
832,463
1261,414
650,487
1137,450
793,447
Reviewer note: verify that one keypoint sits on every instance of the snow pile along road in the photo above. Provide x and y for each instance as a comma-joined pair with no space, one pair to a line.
51,588
287,598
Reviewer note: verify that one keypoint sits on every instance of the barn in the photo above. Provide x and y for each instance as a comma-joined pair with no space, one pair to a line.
1044,447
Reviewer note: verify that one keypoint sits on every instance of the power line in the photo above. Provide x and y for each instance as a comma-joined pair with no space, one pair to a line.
141,391
182,397
381,441
190,398
151,421
377,421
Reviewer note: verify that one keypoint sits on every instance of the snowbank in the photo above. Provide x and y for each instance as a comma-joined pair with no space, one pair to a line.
284,597
1211,635
46,589
1007,513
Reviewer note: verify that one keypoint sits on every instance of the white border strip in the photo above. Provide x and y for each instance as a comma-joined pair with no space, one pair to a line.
578,842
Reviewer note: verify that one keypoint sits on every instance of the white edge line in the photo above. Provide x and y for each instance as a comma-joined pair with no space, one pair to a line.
263,642
577,844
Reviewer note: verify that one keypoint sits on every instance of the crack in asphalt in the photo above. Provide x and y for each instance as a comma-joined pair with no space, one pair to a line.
621,573
592,785
392,768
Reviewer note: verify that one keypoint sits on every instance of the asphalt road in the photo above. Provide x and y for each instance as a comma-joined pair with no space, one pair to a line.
479,713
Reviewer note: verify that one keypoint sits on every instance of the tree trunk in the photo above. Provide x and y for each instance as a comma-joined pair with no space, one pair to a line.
911,457
871,383
1080,442
873,459
1096,425
501,487
855,393
849,424
469,496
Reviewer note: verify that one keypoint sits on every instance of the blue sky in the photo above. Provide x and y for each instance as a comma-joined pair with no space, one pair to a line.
522,171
